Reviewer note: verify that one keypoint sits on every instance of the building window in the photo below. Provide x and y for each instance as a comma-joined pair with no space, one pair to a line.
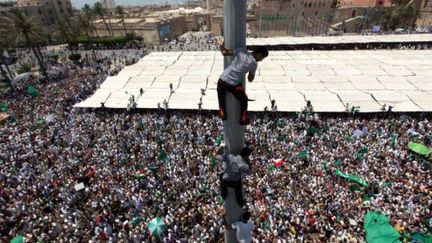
305,5
316,13
353,14
303,14
59,3
293,5
380,3
310,5
61,10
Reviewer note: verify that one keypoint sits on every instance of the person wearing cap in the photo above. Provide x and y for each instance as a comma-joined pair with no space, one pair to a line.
235,167
230,80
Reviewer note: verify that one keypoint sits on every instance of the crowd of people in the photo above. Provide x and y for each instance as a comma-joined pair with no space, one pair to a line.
137,165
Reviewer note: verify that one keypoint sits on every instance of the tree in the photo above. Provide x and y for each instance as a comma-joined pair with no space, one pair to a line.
85,24
65,31
101,11
25,30
408,12
4,44
88,14
120,12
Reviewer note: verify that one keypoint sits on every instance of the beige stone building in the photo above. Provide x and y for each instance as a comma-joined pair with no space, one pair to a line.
153,29
291,17
46,12
425,19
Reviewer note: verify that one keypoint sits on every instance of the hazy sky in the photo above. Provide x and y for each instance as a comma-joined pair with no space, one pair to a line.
79,3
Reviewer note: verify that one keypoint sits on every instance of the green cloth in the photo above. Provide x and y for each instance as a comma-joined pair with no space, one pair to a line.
136,221
159,140
356,179
40,122
218,141
139,176
422,238
414,135
213,161
281,138
354,187
32,91
419,148
378,228
313,130
361,153
302,154
393,140
156,226
366,197
17,239
348,138
4,107
163,156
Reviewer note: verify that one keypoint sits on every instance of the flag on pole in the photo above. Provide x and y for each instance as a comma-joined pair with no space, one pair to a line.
32,91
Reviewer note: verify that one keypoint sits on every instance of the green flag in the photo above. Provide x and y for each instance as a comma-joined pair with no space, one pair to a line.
356,179
4,107
269,149
32,91
366,197
218,141
17,239
213,161
393,140
313,130
422,238
139,176
361,153
354,187
302,154
378,228
40,122
136,221
419,148
159,140
348,138
281,138
163,156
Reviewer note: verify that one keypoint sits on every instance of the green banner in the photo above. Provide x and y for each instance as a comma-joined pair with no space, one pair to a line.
357,179
378,228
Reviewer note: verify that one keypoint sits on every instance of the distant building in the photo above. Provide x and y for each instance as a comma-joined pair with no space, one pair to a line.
46,12
425,19
291,17
110,4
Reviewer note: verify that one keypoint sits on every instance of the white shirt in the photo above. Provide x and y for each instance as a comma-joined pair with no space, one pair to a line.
244,230
243,63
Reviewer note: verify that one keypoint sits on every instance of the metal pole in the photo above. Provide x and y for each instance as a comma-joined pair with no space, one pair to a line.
235,37
260,19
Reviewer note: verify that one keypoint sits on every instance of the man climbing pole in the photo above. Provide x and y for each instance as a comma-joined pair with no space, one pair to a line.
244,62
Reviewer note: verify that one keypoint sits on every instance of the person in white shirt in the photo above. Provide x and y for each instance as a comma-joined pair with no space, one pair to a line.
235,168
244,228
244,62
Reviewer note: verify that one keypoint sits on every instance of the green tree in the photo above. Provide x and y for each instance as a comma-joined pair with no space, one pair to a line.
25,30
408,12
65,30
85,24
4,45
99,9
88,14
120,12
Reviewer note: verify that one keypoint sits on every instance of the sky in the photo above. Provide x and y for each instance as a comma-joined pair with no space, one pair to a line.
80,3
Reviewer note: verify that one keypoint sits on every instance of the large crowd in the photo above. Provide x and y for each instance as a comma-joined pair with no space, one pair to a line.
174,153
